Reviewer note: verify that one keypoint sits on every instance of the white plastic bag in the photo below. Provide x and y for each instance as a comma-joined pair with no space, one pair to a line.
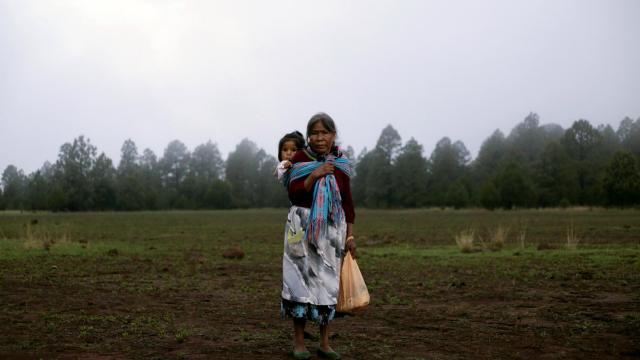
353,295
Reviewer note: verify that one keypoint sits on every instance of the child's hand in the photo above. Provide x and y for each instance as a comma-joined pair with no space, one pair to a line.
287,164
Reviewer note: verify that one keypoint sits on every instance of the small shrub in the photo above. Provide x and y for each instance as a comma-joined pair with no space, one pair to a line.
182,334
33,240
497,239
564,203
522,234
464,240
572,238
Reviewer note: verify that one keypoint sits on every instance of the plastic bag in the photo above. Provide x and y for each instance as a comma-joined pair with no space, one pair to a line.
353,294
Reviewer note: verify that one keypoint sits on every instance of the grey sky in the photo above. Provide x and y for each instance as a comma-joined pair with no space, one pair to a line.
155,71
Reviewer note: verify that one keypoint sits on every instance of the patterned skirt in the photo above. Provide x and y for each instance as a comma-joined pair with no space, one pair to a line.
311,272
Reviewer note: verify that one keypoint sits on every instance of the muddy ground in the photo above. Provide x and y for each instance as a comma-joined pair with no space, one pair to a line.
155,286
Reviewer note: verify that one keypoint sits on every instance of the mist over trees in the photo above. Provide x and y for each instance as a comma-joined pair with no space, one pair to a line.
533,166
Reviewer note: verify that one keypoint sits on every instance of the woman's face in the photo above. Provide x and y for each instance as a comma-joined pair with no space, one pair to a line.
321,139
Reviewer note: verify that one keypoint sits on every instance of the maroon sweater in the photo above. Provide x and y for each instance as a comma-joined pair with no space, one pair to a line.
299,196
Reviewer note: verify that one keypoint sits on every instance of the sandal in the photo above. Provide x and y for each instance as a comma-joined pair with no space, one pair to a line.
301,355
328,354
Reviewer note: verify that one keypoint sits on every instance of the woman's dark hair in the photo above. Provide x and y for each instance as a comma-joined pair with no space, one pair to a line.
326,121
328,124
296,137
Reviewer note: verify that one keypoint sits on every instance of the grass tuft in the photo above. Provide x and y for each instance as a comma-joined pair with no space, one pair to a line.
572,238
522,234
497,238
45,241
464,240
182,334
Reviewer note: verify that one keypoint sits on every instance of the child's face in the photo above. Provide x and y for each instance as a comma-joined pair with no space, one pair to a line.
288,149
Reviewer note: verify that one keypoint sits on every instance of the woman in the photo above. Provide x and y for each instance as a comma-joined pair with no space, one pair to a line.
319,225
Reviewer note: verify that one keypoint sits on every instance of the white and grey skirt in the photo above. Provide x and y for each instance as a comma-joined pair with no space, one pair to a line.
311,271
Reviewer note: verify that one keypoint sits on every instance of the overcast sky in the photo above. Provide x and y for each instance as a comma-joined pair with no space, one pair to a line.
156,71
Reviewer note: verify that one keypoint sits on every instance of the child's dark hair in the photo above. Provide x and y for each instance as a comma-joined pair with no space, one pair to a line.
296,137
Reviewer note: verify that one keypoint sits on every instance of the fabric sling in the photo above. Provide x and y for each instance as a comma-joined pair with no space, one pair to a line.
327,202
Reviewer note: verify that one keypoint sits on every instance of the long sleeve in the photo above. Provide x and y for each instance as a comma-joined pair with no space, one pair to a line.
299,195
281,169
345,193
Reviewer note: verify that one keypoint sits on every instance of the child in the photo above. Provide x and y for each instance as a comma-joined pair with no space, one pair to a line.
288,145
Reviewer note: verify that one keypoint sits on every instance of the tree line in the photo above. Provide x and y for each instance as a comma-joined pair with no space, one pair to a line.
533,166
83,180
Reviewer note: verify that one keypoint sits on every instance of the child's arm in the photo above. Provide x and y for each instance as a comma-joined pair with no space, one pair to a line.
282,168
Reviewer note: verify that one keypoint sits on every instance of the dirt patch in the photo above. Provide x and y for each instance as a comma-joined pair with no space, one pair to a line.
231,311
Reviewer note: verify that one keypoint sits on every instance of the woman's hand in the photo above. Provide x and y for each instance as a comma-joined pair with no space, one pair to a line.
322,170
351,246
